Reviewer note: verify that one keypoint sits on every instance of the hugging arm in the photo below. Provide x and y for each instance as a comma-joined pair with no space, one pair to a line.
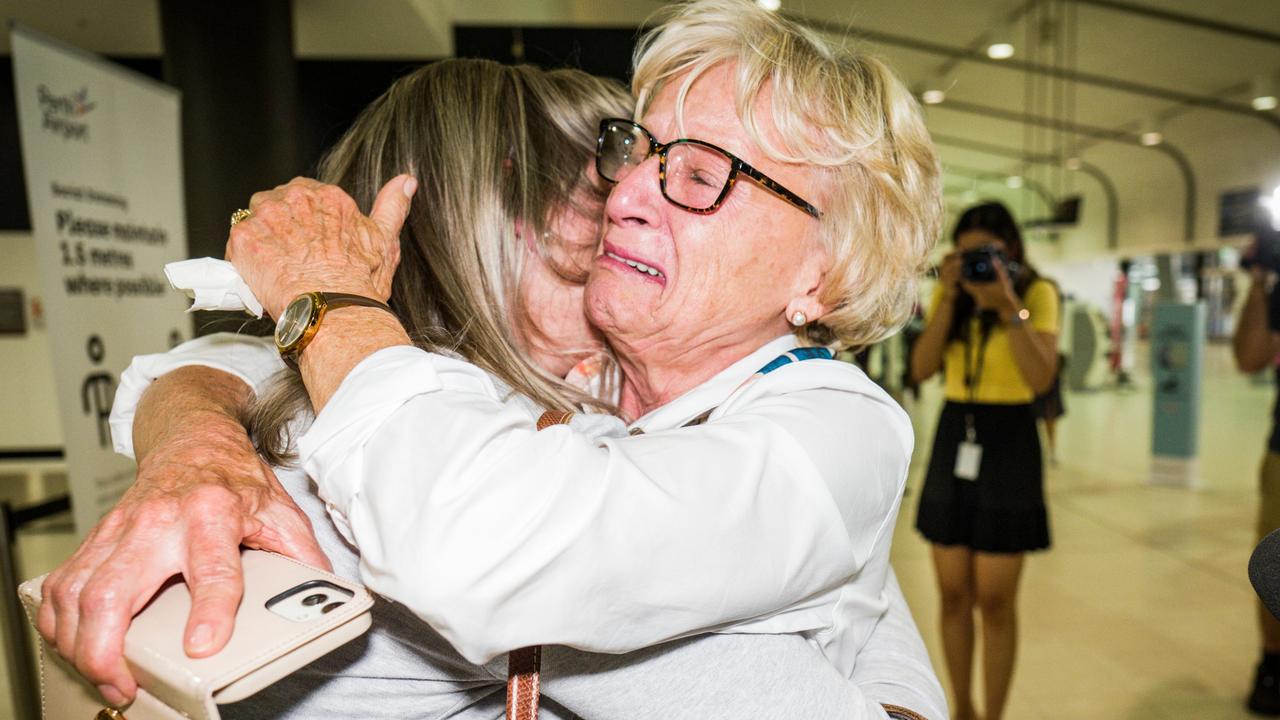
649,538
575,678
201,491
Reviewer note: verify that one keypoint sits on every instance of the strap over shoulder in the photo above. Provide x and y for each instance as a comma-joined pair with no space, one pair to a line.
523,665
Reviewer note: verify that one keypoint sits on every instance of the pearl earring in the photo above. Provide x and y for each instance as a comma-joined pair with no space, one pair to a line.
799,318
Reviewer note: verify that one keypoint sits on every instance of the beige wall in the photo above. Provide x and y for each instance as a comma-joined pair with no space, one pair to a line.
28,412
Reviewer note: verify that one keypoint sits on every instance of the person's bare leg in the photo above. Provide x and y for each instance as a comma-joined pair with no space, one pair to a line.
1051,435
954,566
996,585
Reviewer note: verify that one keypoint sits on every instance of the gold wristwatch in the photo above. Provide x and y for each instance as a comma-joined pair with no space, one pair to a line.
301,319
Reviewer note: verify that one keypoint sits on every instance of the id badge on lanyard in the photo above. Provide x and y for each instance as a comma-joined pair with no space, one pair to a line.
969,452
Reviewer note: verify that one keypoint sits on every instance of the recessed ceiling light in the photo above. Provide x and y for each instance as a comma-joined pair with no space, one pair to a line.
1151,138
770,5
1013,181
933,97
1074,163
1000,51
1264,94
1000,42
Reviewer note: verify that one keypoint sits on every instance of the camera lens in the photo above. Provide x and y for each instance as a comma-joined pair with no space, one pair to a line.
330,607
316,599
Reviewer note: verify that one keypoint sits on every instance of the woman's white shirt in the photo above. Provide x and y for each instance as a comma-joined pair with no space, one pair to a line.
503,537
894,668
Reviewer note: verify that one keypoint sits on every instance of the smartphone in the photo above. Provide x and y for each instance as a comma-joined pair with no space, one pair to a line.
290,615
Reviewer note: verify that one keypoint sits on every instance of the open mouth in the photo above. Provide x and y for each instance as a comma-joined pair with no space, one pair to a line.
636,265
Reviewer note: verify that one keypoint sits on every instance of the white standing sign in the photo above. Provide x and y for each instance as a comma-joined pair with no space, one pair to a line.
102,151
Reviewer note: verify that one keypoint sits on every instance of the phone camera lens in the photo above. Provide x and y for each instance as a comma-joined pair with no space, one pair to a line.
316,599
330,607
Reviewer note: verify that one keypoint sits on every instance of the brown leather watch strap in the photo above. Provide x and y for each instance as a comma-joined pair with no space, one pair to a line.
523,665
336,300
323,303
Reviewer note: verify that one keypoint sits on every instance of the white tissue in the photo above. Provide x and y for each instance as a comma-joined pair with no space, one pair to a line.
213,285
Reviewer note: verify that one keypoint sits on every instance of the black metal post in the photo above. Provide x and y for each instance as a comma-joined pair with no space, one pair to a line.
25,685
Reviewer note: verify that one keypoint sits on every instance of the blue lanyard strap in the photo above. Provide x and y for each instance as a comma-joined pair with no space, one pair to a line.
786,358
796,355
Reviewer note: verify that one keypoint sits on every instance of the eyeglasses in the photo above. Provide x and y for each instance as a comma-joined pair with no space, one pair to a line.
694,175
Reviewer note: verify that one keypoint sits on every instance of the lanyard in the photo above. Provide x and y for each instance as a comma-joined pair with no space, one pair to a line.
973,376
795,355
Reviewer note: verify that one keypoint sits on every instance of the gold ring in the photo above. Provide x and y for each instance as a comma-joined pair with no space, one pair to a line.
240,215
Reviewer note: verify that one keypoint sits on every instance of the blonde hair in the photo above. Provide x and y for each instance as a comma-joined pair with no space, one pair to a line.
836,109
492,145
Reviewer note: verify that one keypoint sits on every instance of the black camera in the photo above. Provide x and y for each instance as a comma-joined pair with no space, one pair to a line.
979,265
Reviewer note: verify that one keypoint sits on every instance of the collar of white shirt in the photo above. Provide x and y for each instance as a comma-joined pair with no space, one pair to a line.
714,392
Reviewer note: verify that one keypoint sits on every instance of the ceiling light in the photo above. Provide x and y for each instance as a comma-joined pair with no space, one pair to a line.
1272,204
1000,51
934,89
1000,42
1073,163
1150,134
770,5
1013,181
1264,94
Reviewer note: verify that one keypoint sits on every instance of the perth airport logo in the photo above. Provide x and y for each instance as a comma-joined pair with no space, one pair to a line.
64,114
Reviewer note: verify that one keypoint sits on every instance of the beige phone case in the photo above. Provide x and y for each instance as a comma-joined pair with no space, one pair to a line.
264,647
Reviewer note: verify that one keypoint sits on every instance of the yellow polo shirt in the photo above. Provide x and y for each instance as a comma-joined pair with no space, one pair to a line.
1001,382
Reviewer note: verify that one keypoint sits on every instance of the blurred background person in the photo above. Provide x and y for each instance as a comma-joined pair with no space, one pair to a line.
992,329
1255,344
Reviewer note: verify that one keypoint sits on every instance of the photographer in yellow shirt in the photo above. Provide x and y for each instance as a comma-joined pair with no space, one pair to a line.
992,328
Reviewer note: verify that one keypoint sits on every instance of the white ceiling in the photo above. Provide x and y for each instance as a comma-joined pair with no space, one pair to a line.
1226,150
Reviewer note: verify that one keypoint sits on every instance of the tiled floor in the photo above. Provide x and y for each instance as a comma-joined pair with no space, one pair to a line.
1142,609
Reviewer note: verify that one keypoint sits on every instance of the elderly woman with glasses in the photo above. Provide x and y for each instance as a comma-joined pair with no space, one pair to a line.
776,201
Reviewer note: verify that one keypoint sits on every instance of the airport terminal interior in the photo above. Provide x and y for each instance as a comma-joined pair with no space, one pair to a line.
1136,142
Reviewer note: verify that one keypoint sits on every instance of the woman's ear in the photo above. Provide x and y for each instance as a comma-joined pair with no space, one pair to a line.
806,306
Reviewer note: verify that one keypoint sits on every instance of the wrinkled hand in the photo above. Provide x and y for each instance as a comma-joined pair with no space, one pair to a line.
196,500
307,236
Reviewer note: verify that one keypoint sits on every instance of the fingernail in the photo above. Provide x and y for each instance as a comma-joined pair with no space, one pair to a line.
201,637
410,187
111,695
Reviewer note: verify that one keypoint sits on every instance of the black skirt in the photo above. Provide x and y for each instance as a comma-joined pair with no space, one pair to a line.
1003,510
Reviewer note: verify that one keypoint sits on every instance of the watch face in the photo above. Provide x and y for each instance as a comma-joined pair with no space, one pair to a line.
294,321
